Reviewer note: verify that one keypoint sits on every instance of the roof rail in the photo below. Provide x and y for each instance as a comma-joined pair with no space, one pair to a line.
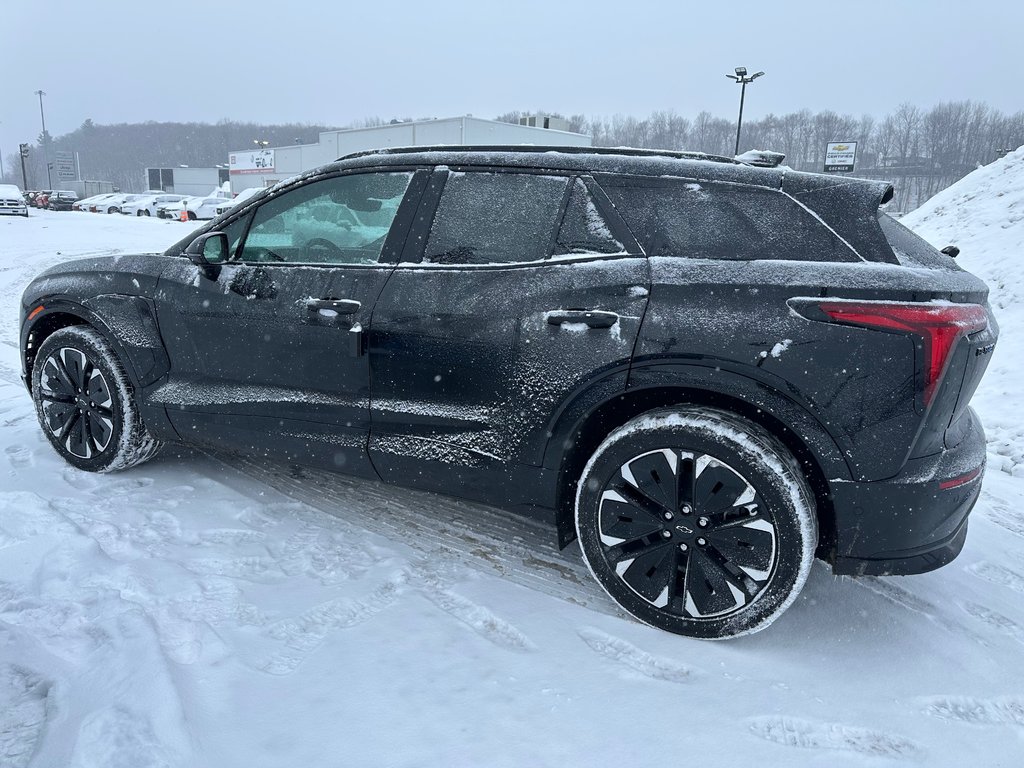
537,148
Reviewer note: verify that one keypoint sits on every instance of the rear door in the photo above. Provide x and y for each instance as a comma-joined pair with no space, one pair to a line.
515,292
267,350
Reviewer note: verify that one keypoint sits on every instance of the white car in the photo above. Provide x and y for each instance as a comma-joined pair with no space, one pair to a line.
241,197
148,205
12,202
173,210
203,207
95,204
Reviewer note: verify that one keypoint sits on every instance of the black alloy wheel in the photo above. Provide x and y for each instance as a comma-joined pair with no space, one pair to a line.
76,402
85,402
697,522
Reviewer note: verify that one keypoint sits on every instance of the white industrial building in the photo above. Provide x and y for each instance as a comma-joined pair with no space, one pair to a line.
186,181
259,166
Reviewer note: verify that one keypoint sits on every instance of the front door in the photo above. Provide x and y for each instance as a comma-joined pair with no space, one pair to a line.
267,350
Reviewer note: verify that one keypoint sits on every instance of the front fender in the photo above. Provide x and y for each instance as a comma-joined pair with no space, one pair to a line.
128,323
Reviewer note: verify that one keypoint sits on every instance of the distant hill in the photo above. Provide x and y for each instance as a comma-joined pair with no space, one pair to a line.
119,153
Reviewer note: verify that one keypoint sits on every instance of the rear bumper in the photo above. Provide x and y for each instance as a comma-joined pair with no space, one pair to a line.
912,523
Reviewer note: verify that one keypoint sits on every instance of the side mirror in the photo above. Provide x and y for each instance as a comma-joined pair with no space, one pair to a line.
208,252
952,251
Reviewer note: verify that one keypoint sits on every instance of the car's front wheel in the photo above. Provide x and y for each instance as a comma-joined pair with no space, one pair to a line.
697,522
85,402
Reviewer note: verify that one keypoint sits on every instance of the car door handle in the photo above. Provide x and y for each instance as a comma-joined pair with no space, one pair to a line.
339,306
595,318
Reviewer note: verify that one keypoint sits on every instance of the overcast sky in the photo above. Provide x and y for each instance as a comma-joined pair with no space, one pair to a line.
334,62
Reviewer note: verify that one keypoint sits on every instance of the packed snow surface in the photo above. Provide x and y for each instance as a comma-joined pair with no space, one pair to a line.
206,613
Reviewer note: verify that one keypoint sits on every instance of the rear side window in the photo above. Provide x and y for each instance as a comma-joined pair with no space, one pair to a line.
713,220
910,249
495,218
584,229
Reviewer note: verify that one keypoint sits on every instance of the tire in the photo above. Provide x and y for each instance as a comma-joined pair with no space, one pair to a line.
138,213
85,403
112,210
146,212
191,216
697,522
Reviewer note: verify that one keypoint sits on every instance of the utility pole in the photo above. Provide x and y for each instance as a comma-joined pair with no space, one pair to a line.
742,78
46,140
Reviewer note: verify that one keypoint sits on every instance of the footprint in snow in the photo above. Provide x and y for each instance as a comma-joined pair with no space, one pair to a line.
481,620
117,736
813,734
628,655
997,621
1004,710
23,695
302,635
20,456
997,574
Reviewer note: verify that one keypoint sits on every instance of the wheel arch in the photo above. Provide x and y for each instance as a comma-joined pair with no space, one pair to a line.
574,440
139,361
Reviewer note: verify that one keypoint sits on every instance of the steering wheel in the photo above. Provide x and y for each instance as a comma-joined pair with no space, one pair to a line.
324,244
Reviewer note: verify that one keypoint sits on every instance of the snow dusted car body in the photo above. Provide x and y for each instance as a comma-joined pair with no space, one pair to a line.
706,371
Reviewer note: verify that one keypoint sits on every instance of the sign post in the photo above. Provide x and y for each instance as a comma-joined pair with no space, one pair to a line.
840,156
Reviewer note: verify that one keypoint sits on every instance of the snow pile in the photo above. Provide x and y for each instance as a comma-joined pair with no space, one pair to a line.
983,214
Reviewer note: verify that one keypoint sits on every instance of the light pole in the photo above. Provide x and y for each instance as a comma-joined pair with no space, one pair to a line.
46,148
742,78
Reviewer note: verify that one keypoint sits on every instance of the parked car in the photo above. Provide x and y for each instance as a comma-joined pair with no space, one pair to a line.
113,204
225,205
12,202
707,371
203,207
148,205
96,204
173,210
62,200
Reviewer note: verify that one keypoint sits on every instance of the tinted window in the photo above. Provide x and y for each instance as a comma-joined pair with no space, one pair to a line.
583,229
486,218
910,249
342,220
711,220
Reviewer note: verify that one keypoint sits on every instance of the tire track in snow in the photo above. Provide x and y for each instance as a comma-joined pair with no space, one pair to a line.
480,619
813,734
628,655
439,528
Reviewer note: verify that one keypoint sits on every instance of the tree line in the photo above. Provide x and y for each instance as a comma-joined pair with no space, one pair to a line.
921,151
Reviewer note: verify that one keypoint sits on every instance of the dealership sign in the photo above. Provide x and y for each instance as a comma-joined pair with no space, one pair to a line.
840,156
256,161
64,165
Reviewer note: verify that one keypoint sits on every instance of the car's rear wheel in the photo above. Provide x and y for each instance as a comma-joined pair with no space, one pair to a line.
697,522
146,212
85,403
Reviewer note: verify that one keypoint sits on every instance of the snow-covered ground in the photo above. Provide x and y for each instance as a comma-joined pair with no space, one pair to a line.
192,612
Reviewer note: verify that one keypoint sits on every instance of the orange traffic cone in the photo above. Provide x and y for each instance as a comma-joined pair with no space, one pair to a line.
183,216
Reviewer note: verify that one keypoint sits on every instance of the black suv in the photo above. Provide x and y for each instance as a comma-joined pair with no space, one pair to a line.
709,372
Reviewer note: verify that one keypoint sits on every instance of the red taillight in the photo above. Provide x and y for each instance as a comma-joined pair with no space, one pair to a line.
956,482
939,326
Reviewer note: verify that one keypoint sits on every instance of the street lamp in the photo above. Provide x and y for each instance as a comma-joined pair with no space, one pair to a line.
262,143
46,149
742,78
